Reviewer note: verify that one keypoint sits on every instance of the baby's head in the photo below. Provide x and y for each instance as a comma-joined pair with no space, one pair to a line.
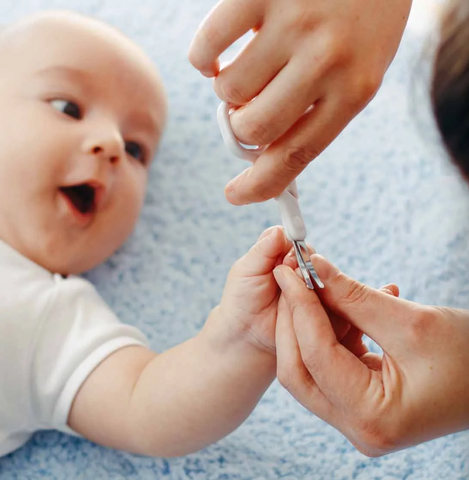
82,110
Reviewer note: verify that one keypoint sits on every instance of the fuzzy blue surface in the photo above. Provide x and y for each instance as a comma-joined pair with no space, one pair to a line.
382,202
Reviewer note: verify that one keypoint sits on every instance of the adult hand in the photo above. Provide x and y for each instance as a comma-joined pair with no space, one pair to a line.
416,391
328,53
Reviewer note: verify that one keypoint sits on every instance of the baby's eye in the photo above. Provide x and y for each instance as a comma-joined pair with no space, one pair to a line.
135,150
68,108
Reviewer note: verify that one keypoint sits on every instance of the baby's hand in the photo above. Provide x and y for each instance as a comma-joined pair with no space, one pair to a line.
248,308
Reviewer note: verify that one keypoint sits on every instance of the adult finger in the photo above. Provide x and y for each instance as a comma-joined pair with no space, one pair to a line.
287,157
291,259
253,68
374,312
280,104
353,340
339,374
291,371
341,327
216,34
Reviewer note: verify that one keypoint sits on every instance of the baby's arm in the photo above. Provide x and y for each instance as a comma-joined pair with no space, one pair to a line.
197,392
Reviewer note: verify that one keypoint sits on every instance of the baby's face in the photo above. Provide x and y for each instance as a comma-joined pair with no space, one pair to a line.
81,113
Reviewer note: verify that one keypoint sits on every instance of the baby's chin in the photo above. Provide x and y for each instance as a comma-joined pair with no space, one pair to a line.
65,264
62,259
72,266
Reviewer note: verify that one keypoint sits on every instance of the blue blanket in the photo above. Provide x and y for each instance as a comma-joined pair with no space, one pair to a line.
382,202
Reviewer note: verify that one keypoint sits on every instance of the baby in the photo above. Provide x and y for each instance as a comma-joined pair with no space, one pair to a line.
82,110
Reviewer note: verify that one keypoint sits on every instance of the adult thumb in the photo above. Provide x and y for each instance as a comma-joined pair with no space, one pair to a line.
374,312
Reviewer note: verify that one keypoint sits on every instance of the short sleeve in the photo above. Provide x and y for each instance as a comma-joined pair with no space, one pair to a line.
77,333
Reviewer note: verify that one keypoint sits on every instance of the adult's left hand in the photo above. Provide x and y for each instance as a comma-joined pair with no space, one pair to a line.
416,391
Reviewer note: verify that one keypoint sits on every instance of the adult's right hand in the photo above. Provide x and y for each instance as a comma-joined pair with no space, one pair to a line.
328,53
416,391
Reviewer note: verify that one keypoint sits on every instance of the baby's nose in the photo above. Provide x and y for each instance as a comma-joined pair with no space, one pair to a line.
107,145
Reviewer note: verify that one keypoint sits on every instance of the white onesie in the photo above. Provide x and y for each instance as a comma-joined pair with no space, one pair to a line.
53,333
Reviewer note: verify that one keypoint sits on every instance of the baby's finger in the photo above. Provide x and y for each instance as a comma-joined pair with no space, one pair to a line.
216,34
391,289
267,232
291,261
263,257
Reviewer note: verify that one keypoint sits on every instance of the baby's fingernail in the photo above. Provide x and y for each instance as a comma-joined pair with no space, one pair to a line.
267,233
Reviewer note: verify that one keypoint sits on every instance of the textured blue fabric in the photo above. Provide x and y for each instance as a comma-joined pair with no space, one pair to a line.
382,202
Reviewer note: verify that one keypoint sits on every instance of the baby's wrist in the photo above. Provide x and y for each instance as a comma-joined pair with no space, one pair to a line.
222,337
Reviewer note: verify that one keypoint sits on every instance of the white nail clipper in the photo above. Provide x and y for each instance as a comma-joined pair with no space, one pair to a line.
290,212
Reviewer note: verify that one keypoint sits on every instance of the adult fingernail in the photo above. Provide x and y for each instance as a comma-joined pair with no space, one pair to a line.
231,191
323,267
232,196
290,259
279,276
284,276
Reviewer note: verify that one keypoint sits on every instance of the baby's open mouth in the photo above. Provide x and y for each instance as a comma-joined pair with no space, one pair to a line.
81,196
